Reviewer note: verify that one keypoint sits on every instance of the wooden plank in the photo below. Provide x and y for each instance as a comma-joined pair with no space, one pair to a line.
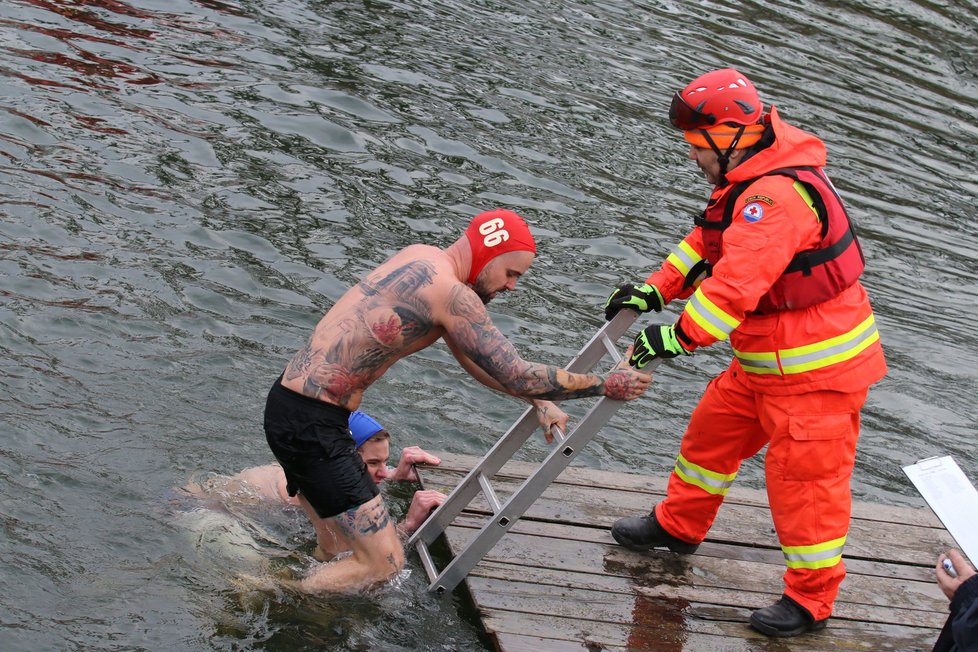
558,581
735,523
458,465
662,627
718,581
719,550
621,589
515,642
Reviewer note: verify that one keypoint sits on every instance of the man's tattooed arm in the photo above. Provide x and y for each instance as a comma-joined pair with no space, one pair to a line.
473,332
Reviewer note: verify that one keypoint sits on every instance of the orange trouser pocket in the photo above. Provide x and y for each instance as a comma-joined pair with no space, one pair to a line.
820,446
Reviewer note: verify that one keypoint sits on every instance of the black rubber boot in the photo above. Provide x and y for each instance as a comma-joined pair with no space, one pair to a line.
645,533
785,618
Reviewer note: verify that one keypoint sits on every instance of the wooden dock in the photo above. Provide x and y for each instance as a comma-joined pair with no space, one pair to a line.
558,581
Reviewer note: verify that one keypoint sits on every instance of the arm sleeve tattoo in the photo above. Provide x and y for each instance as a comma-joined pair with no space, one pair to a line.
474,333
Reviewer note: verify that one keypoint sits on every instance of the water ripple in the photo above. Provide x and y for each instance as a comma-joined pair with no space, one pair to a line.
185,186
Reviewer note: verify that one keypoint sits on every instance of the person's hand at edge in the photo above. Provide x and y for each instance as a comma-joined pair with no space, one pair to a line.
949,585
423,503
548,416
405,471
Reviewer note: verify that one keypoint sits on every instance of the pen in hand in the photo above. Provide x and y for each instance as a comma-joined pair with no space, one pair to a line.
949,567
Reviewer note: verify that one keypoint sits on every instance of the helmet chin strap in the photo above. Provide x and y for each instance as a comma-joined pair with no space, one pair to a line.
723,158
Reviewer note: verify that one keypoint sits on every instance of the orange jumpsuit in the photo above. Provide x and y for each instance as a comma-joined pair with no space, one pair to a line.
797,381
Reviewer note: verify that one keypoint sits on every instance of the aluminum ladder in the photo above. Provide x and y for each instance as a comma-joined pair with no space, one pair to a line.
505,514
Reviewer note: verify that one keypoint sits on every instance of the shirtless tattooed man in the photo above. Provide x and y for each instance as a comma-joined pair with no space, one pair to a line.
420,294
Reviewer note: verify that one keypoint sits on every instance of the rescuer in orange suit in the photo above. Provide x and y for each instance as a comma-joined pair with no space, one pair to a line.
772,264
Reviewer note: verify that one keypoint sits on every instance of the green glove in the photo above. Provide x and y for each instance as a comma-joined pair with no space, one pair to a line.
656,342
641,298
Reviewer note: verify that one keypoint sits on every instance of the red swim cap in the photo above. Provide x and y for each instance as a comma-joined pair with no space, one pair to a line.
494,233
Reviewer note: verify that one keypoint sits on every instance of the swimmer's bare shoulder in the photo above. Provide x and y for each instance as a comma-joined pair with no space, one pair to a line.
417,271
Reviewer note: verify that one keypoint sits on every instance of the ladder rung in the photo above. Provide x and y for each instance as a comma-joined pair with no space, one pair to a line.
490,494
558,434
463,494
612,349
426,560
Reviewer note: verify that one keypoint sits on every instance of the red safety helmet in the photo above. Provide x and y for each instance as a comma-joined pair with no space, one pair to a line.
718,97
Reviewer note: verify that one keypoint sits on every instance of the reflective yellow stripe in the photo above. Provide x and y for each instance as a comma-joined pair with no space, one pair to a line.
709,317
837,349
812,356
759,363
683,257
711,482
820,555
805,195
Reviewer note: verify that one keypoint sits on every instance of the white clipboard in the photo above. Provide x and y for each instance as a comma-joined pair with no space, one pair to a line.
953,498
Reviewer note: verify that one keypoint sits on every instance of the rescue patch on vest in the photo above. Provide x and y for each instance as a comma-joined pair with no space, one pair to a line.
764,198
753,212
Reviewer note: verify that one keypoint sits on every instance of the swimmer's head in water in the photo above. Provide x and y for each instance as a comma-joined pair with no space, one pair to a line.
494,233
363,427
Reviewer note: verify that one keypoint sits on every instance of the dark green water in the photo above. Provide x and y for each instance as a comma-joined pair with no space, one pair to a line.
185,186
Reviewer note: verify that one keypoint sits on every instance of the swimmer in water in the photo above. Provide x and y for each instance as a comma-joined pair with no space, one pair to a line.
268,484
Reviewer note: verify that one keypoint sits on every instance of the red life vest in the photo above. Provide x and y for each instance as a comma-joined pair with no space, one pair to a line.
812,276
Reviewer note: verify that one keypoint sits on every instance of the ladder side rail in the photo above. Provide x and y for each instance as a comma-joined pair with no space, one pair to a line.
528,492
507,446
596,348
470,486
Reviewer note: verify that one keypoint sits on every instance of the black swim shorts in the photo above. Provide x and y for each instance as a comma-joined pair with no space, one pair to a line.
311,440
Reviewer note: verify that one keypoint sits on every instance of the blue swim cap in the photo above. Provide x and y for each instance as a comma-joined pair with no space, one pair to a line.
363,427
